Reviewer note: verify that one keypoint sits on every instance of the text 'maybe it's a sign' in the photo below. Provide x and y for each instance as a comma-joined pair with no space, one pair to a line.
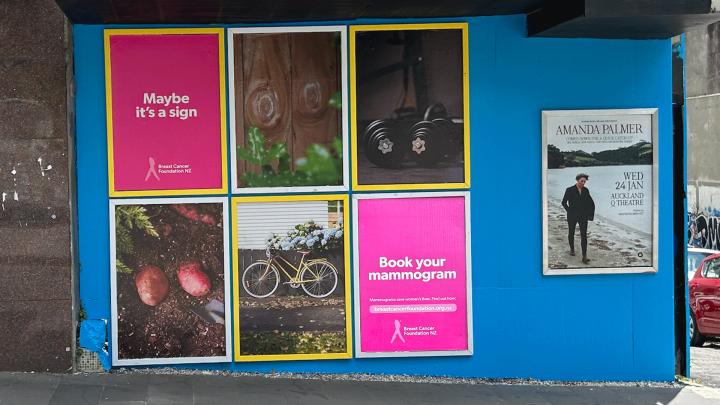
166,111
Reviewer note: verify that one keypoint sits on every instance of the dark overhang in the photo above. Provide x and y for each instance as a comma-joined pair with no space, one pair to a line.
620,18
552,18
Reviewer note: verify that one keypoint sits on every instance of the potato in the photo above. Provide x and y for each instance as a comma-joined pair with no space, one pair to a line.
152,285
191,212
192,279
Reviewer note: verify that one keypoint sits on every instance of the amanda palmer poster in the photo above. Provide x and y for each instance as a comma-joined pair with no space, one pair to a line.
599,191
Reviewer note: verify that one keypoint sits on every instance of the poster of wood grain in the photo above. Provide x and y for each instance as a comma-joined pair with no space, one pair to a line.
288,109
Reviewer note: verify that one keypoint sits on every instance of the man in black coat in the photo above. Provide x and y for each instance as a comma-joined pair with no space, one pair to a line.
580,209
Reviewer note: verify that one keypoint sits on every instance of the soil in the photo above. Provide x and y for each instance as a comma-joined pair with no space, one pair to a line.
171,329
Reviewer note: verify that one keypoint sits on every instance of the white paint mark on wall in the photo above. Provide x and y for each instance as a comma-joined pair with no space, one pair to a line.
15,196
43,169
4,196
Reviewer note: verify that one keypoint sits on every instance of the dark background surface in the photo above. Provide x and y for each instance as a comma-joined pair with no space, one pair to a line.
554,18
36,323
431,63
441,61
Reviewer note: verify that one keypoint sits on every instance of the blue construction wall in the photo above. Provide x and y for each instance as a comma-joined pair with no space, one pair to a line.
602,327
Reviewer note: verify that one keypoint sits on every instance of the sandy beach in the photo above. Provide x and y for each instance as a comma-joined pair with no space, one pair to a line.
609,245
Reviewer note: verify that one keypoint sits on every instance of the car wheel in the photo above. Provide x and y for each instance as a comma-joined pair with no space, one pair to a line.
696,339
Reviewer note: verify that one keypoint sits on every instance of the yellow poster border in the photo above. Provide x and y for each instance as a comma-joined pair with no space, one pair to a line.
236,275
220,32
466,107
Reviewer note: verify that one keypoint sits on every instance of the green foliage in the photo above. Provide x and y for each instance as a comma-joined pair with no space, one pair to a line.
335,100
555,158
82,315
121,267
637,154
318,167
277,342
129,218
256,153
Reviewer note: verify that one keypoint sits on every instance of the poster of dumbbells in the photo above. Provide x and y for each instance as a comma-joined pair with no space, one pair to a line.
599,191
291,278
170,281
165,99
288,109
409,106
413,294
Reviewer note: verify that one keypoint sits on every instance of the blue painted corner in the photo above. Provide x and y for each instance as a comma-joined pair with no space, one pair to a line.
93,334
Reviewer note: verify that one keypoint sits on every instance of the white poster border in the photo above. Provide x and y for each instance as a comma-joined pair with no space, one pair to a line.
113,283
653,113
359,353
234,183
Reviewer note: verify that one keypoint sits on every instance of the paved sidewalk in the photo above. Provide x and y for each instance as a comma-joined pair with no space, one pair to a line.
39,389
705,364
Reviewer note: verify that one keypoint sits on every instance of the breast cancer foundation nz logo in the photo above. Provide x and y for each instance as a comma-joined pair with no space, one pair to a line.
398,332
152,170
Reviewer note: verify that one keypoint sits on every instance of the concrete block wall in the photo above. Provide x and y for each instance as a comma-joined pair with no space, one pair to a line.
36,315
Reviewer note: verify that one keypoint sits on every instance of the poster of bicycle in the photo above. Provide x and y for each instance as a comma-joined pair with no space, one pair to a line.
291,281
412,274
599,179
170,281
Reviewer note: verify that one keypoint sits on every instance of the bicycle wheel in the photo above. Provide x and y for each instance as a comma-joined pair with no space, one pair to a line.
319,278
260,279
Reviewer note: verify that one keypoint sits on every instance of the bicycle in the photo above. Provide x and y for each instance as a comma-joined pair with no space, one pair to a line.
317,277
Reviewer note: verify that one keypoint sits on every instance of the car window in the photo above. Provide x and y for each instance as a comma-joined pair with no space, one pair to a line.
694,259
711,269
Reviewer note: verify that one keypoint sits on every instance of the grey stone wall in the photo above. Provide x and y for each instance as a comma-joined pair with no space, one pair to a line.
702,71
36,315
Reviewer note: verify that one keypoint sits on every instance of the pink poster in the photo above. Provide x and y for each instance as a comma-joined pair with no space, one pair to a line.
166,111
412,275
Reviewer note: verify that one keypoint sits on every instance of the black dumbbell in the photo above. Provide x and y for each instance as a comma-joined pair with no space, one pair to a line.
445,140
428,143
385,143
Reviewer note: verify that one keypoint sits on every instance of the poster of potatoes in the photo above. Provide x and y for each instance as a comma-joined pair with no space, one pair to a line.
169,281
292,286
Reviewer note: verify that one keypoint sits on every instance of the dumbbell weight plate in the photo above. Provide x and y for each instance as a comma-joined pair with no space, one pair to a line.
375,127
426,144
371,127
453,135
384,146
433,111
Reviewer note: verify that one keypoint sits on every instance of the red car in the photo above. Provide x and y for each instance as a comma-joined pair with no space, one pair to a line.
705,301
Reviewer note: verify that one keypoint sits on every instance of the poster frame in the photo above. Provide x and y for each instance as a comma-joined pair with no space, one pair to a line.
342,30
116,361
359,353
112,191
653,113
463,26
236,279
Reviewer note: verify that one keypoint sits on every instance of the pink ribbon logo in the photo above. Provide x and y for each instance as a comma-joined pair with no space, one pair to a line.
398,333
151,169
